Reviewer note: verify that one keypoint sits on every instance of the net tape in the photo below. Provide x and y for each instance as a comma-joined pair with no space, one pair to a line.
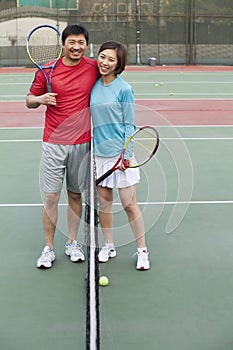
92,277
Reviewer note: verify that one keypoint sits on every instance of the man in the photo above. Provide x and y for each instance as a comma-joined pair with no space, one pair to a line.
66,138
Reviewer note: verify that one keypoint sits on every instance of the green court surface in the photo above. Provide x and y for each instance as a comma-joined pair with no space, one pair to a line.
155,84
185,300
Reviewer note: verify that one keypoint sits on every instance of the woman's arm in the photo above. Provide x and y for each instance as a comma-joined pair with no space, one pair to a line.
128,107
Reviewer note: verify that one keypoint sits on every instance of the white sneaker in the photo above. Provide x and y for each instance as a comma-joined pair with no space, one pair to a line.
143,262
46,259
74,251
106,252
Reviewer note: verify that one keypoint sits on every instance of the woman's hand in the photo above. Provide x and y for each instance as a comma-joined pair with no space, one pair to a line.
124,164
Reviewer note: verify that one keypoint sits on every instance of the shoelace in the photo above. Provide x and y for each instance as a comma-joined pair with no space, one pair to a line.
77,247
47,254
107,250
104,250
142,255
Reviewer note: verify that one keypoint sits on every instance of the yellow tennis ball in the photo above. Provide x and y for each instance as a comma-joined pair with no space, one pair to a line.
161,84
103,281
171,93
156,85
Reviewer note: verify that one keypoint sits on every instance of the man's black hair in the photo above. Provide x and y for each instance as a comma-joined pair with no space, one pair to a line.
75,29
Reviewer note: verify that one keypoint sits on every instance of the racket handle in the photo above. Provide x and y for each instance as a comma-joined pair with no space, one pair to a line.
50,90
103,177
49,87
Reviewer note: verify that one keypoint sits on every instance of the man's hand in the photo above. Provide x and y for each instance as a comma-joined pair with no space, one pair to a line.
33,101
48,99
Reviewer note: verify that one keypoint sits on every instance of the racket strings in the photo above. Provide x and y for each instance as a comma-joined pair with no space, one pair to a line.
44,46
144,144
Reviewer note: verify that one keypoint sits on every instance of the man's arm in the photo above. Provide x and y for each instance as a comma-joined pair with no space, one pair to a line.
33,101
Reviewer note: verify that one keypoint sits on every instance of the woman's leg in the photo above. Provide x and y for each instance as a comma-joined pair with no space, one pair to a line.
105,212
129,202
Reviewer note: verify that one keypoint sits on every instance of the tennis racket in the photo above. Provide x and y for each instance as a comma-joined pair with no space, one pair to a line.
144,142
44,50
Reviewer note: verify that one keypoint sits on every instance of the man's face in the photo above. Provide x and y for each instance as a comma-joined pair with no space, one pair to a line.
75,47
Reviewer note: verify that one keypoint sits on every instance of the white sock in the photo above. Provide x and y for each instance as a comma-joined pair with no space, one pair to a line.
109,245
143,249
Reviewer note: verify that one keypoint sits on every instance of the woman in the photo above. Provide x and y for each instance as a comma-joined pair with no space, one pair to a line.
113,114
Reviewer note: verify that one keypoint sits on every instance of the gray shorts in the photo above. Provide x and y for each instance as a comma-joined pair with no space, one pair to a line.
60,161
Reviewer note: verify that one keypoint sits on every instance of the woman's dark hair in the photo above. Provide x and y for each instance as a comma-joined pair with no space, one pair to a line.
121,52
74,29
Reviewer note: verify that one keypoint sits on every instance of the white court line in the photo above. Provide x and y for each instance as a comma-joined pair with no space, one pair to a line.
9,96
20,127
174,98
14,83
204,202
188,138
141,138
158,126
184,94
228,96
6,141
177,82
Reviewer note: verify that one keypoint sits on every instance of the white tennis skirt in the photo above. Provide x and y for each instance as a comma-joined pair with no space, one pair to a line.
118,178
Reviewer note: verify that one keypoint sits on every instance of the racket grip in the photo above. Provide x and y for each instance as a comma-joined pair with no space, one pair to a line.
49,87
103,177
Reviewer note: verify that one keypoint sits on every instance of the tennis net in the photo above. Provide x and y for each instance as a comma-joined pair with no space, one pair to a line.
92,276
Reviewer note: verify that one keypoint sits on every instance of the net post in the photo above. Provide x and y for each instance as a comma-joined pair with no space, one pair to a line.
138,30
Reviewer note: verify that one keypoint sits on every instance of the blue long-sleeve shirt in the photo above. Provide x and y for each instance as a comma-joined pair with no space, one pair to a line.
113,116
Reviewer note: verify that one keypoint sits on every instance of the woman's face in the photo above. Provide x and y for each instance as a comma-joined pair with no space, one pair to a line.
107,62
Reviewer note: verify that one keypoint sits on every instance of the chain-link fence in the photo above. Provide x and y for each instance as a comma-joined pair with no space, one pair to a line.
168,31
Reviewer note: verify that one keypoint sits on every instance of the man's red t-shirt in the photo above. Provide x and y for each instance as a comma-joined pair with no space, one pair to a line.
69,121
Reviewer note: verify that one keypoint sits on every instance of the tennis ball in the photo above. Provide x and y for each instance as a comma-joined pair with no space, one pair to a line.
171,93
161,84
103,281
156,85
